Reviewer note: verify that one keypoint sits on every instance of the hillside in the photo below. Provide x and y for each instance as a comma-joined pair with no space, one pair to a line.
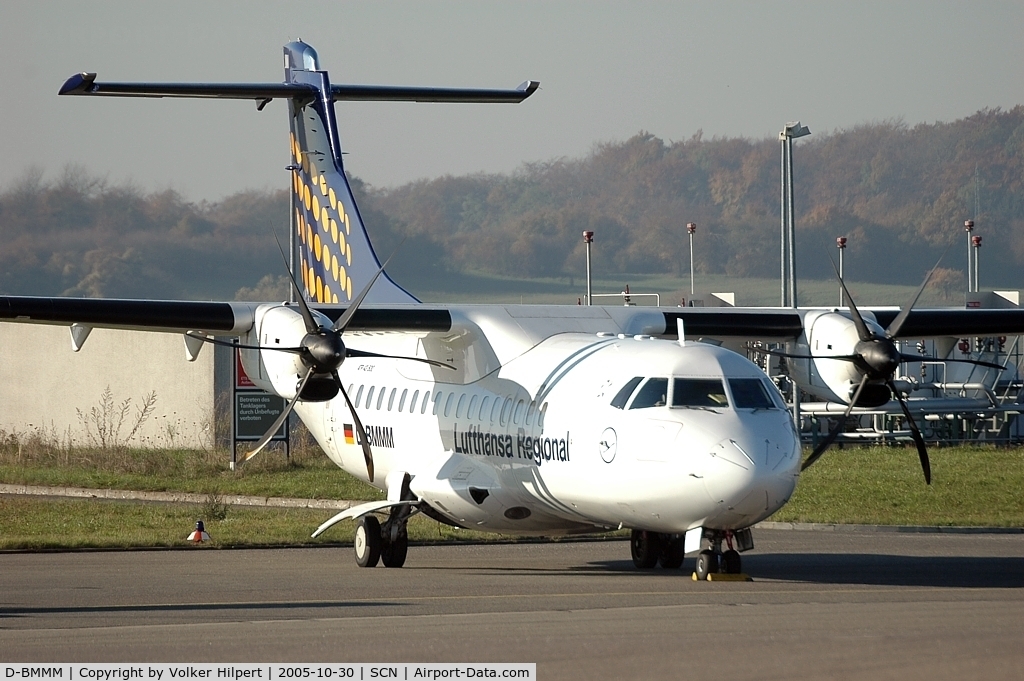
899,193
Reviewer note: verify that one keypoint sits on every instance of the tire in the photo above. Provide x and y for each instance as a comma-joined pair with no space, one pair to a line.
731,562
672,552
368,541
707,564
393,553
645,547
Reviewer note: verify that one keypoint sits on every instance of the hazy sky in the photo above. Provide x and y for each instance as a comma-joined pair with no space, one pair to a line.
607,71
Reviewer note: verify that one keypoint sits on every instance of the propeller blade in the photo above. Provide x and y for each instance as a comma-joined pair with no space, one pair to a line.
367,454
345,318
307,315
838,428
894,327
350,352
922,451
280,419
862,329
904,357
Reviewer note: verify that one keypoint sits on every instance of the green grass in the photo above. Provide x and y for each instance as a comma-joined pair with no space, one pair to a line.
977,485
971,486
31,523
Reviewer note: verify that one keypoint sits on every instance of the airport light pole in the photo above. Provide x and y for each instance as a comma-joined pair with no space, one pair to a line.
969,227
790,132
976,241
841,244
691,227
588,238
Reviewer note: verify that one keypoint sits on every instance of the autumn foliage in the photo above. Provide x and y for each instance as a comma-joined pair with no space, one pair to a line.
899,193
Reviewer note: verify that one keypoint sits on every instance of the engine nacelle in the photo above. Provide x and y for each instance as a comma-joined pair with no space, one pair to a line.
835,380
280,325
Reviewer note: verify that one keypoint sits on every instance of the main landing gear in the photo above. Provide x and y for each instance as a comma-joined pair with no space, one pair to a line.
653,548
387,543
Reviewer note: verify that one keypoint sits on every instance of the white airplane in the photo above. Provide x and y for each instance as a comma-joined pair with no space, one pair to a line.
517,419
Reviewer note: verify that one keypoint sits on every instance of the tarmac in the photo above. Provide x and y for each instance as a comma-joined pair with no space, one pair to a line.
822,605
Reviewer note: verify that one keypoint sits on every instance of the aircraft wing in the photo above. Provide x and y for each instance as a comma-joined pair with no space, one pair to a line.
235,318
955,322
213,318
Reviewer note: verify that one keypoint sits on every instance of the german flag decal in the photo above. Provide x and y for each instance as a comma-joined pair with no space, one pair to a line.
350,437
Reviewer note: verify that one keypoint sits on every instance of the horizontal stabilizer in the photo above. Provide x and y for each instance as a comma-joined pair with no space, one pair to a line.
85,84
392,93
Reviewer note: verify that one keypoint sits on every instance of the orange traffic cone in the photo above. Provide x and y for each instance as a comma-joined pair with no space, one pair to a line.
199,534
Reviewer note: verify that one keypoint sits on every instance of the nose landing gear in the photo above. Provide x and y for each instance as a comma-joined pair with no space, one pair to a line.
713,561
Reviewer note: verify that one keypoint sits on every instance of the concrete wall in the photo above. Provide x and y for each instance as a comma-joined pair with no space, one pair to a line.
43,382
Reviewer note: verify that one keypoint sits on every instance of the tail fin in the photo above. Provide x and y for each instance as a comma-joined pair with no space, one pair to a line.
337,257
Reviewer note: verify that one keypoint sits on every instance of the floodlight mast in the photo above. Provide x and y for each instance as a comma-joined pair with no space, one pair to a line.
691,227
976,241
790,132
588,238
969,227
841,245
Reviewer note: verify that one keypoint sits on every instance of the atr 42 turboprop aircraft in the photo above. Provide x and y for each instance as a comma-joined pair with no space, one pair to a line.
516,419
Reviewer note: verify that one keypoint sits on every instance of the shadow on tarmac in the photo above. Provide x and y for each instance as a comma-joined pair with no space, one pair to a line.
955,572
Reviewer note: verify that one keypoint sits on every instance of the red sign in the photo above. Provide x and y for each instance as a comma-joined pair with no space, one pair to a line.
241,379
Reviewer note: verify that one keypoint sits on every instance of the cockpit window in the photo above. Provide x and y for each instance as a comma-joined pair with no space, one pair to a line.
621,397
750,393
698,392
653,393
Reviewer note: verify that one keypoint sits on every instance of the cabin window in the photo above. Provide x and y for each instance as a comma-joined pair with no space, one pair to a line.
698,392
483,407
750,393
472,406
505,410
541,414
448,404
380,398
401,400
412,402
496,409
653,393
391,398
621,397
359,395
437,402
369,397
519,412
426,401
459,406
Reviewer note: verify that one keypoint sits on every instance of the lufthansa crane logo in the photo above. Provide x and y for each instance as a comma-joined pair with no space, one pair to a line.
607,445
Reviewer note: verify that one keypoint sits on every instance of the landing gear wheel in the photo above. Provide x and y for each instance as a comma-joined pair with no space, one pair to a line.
368,541
672,552
731,562
645,547
707,564
393,553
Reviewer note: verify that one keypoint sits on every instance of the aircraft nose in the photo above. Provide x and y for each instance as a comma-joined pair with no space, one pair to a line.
750,476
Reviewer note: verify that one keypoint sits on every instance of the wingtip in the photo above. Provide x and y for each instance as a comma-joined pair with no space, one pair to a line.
78,84
528,87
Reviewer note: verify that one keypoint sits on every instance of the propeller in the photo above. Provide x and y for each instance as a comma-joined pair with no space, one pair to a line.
877,356
322,351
